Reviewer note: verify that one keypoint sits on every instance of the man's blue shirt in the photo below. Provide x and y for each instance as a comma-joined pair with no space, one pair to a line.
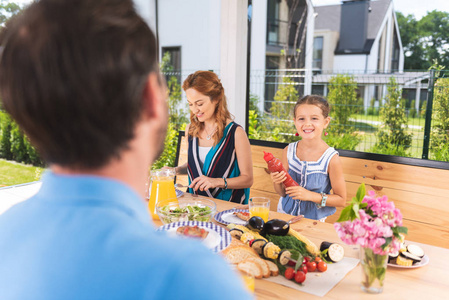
87,237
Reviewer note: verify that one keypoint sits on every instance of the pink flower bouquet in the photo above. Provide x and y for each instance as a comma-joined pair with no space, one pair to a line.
376,225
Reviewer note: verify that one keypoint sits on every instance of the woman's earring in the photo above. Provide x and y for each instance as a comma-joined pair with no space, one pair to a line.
326,133
296,134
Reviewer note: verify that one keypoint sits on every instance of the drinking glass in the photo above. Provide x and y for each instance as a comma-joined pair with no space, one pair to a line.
259,206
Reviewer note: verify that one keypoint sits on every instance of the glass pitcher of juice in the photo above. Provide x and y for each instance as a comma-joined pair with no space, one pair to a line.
162,188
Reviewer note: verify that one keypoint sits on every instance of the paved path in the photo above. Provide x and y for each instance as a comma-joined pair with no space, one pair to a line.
14,194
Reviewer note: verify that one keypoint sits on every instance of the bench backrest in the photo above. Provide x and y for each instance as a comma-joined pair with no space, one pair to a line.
419,188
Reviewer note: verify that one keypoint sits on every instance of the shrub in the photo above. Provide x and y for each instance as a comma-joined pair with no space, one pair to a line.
439,136
392,133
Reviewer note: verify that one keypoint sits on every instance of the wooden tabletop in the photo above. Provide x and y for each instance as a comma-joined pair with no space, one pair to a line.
428,282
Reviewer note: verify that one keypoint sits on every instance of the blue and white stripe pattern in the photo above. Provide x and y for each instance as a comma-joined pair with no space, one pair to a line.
312,175
222,232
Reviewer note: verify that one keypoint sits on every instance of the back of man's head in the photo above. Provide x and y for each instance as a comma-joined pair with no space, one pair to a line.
72,74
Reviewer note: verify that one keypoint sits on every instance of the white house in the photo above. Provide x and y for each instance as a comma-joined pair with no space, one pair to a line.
213,35
360,37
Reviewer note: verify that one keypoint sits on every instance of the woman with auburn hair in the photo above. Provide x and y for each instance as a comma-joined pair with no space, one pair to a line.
219,163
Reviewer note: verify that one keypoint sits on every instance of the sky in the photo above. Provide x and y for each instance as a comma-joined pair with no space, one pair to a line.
418,8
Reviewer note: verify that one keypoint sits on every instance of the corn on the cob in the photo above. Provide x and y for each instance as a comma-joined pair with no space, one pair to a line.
311,247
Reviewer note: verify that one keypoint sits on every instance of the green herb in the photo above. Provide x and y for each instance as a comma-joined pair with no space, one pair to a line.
187,213
288,242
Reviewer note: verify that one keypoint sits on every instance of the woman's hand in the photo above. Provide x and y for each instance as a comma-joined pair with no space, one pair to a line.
278,177
203,183
299,193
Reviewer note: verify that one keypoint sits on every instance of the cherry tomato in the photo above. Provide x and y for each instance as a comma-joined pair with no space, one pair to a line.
311,266
303,268
289,273
318,260
322,266
308,258
300,277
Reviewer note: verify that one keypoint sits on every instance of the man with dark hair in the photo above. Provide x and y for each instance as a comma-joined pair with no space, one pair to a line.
80,77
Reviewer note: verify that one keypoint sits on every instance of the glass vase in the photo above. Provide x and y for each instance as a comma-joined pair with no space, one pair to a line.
374,267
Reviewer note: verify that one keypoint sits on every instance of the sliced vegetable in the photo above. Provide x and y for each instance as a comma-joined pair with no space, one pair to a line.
258,245
410,256
236,233
271,251
284,257
332,252
415,250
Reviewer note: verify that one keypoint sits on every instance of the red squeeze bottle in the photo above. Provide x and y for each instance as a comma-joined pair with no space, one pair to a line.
275,165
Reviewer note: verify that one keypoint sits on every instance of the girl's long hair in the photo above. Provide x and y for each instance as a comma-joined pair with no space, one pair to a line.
208,83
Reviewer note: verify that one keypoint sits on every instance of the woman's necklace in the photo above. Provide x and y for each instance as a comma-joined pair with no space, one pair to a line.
209,136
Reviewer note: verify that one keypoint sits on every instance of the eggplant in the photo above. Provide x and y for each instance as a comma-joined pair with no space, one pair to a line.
236,233
335,252
284,257
276,227
256,224
410,256
415,250
258,245
392,257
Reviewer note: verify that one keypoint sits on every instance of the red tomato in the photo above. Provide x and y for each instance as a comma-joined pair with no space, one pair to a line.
318,260
289,273
311,266
322,266
303,268
308,258
300,277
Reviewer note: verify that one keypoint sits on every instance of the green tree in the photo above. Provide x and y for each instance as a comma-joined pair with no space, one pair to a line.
279,126
177,115
342,97
424,40
392,137
7,9
439,136
5,142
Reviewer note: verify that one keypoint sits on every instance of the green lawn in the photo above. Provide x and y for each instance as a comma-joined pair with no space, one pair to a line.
16,173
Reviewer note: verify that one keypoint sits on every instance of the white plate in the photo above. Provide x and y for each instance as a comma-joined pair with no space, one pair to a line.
217,239
227,217
179,193
423,262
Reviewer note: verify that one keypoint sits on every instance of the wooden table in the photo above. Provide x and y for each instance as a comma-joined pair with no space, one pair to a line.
428,282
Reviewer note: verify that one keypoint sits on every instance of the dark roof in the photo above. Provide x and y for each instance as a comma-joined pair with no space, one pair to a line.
329,17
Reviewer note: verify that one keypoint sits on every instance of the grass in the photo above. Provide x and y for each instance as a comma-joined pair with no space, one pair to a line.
12,173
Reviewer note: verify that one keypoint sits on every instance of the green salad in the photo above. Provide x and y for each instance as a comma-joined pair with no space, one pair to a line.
187,213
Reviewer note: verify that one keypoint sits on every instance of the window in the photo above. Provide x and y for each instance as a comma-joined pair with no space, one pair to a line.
395,53
271,78
174,62
273,22
317,53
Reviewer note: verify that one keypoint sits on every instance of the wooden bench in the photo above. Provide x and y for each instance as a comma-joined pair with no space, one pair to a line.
419,188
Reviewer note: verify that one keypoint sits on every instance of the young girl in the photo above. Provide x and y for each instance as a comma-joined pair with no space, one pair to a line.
312,164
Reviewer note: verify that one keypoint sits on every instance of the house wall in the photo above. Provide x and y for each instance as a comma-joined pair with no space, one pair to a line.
350,63
195,26
330,40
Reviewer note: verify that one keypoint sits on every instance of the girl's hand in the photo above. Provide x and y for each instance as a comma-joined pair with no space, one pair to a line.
203,183
278,177
299,193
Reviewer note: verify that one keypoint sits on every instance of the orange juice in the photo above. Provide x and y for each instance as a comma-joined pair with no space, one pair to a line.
249,282
162,189
259,211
